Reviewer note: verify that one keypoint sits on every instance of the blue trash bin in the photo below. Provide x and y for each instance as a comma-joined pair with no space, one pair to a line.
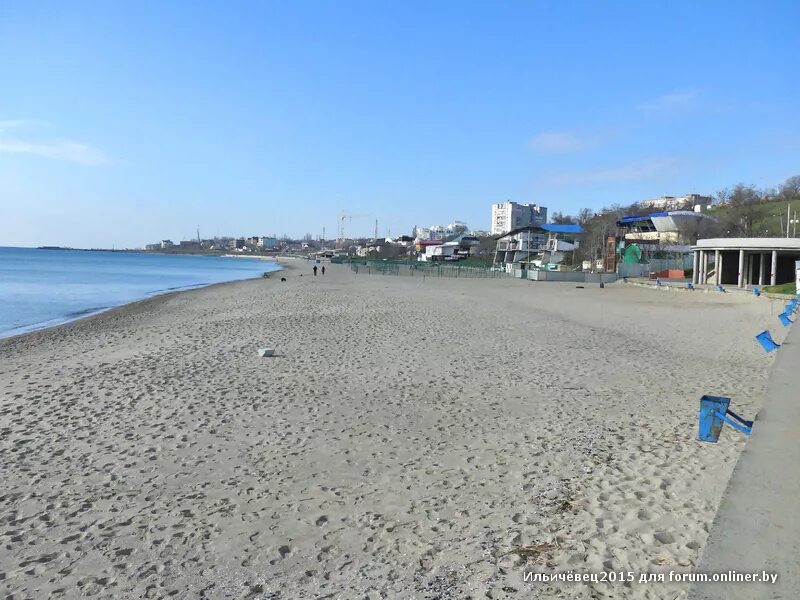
714,413
765,339
784,319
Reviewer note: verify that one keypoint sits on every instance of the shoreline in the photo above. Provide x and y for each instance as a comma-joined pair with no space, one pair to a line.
345,465
91,313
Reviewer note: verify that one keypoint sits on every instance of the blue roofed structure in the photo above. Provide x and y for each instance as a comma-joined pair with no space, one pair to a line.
536,245
569,228
544,228
641,218
664,227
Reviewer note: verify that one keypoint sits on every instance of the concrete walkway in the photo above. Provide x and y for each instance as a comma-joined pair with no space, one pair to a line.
681,286
757,527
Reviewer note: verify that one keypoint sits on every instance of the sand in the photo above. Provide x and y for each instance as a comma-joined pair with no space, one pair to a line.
405,440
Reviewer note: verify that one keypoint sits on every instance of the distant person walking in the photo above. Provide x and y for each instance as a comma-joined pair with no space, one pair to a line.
323,269
315,270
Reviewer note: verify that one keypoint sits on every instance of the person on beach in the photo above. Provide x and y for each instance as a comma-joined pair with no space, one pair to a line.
315,270
323,269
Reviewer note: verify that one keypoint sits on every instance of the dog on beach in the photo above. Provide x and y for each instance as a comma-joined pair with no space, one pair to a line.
283,279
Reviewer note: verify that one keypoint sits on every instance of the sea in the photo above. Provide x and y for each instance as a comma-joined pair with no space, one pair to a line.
45,287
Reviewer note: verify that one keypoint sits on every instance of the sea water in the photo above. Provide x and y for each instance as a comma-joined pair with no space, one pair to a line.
44,287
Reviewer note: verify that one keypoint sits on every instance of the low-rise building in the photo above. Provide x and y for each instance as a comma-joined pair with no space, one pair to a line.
536,245
440,232
685,202
440,252
745,262
664,227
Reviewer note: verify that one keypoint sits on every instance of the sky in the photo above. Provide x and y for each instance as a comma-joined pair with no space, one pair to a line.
123,123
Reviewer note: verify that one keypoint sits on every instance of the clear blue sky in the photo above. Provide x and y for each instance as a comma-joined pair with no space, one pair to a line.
123,123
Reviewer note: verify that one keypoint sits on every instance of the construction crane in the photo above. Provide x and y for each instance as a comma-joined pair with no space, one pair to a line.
349,218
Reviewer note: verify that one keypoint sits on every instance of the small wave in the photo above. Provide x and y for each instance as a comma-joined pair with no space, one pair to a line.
54,322
178,288
85,311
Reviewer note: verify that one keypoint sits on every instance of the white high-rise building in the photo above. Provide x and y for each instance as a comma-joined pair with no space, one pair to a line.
510,215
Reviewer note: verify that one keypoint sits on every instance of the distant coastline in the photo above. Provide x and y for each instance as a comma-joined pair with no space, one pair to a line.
86,249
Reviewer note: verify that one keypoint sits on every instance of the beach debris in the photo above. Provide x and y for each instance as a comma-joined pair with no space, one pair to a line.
721,289
578,287
265,275
263,352
714,413
765,339
535,553
784,319
689,286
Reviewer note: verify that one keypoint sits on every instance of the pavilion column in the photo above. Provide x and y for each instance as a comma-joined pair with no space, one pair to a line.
717,267
773,276
695,266
762,266
702,266
751,265
699,266
740,281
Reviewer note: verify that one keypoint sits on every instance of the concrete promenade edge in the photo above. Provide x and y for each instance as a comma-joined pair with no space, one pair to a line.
757,526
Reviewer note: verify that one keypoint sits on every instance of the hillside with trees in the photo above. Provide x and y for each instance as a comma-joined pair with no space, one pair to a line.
740,211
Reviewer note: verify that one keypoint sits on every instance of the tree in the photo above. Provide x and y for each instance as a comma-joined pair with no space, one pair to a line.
562,219
584,215
742,209
790,190
487,245
694,230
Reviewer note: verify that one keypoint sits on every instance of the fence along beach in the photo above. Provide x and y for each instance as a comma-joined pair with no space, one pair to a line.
407,440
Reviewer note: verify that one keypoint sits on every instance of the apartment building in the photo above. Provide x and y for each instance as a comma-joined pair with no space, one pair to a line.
511,215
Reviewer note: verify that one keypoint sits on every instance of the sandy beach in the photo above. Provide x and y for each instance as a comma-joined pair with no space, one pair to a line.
410,439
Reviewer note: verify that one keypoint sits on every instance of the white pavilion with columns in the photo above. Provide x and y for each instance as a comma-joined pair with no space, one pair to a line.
745,262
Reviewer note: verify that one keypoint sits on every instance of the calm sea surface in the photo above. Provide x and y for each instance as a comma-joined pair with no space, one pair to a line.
41,288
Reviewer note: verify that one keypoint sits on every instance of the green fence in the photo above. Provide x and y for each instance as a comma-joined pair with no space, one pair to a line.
423,270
